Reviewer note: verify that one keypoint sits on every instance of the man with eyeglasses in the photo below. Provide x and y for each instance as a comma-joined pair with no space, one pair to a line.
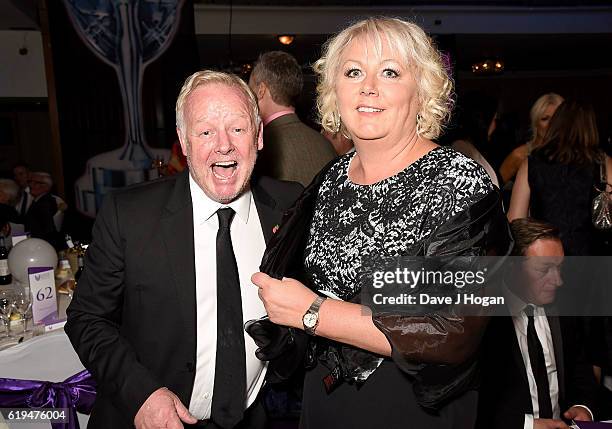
38,220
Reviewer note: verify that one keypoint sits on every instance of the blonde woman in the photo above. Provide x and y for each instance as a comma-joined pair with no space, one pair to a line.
540,115
383,84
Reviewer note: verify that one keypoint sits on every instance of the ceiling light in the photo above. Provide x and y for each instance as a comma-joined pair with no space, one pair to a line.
488,67
286,39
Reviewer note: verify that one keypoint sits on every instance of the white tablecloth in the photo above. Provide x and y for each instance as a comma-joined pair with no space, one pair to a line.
44,356
16,327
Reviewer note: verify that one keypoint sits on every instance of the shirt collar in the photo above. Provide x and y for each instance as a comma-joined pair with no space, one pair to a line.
205,207
516,306
287,111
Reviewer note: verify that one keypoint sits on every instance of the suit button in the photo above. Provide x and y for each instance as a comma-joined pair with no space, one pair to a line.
190,366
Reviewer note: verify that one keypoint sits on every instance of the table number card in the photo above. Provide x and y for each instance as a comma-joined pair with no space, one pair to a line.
18,238
44,299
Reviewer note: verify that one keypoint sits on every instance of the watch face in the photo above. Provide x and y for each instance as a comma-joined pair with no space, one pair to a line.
310,320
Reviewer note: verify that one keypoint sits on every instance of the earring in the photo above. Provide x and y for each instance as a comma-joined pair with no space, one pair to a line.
337,122
419,123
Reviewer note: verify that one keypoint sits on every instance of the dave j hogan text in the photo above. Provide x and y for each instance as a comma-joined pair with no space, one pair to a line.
427,299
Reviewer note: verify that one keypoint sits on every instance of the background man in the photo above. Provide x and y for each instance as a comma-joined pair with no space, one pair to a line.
21,174
39,219
9,192
534,367
292,150
159,312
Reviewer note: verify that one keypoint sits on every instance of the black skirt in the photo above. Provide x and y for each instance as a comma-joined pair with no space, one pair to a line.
386,400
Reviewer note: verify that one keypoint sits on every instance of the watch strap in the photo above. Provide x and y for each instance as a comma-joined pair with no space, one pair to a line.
316,304
314,309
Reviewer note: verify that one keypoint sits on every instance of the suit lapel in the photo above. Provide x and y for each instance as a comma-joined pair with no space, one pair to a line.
177,233
516,352
557,338
269,215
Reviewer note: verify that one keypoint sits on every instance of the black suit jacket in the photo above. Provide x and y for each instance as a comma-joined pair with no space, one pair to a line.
39,220
132,320
504,396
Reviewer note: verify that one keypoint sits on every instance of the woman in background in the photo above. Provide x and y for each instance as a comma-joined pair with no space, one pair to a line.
556,182
476,120
541,112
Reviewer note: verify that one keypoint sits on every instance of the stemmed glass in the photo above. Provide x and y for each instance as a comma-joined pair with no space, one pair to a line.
7,305
23,305
70,286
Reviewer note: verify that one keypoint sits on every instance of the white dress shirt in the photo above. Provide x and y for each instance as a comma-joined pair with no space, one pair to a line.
520,320
24,194
249,244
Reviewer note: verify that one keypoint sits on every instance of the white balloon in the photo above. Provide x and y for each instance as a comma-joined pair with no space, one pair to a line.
32,252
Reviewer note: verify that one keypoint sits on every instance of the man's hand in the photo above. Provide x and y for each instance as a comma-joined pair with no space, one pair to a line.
578,413
549,424
163,409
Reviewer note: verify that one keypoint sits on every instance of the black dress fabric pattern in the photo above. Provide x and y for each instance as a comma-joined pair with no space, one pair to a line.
561,194
354,223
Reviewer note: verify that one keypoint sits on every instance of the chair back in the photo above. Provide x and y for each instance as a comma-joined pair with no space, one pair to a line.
49,357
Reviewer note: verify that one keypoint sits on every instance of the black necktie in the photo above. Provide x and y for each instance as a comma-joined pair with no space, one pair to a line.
24,204
538,366
229,393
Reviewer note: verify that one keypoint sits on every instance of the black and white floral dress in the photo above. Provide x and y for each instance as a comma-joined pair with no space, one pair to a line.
353,223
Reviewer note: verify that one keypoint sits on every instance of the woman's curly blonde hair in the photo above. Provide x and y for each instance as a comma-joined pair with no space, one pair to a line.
434,86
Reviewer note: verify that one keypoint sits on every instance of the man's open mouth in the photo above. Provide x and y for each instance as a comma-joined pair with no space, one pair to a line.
224,170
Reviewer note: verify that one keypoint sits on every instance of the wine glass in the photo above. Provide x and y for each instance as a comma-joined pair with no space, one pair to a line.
7,305
23,305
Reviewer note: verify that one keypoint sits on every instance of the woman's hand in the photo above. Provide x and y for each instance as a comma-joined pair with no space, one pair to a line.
285,300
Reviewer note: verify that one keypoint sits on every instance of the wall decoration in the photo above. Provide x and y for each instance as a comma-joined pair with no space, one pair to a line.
128,35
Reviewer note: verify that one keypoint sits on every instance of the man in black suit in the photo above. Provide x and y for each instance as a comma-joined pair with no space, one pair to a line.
159,310
38,220
534,372
21,174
